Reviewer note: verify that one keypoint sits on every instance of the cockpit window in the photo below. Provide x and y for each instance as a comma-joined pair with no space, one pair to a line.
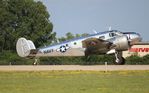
112,34
115,33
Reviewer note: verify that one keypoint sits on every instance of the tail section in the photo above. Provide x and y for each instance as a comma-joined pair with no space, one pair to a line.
25,48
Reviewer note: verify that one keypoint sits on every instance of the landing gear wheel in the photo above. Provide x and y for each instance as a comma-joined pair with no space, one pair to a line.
119,59
36,61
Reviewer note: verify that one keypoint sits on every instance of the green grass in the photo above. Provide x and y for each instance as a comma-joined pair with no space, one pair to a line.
75,82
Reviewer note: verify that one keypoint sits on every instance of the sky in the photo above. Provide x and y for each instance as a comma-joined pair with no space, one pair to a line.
85,16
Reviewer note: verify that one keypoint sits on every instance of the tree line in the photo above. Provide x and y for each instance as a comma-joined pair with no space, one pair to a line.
30,19
11,58
24,18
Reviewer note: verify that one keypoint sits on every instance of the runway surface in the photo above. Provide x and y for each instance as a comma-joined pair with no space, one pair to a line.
73,67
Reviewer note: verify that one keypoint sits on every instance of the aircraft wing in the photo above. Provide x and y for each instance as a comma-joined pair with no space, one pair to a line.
96,46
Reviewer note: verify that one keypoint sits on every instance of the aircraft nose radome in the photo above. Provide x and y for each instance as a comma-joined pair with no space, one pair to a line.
135,38
138,37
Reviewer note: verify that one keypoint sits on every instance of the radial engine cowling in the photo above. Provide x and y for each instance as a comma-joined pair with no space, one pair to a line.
121,43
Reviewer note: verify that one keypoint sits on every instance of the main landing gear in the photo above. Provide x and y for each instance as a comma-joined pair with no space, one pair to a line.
119,60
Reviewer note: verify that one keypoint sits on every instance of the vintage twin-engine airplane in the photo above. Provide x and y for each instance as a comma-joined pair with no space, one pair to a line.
108,42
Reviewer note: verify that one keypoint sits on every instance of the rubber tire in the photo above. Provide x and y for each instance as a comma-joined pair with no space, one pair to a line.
122,62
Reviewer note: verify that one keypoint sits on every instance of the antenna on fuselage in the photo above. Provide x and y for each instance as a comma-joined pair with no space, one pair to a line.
110,28
95,31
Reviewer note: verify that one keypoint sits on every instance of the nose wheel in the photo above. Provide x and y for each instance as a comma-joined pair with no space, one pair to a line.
119,60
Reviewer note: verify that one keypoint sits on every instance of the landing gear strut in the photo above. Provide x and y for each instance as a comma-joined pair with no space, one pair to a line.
36,61
119,60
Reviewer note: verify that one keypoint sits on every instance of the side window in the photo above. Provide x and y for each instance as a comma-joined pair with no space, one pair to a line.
102,37
75,43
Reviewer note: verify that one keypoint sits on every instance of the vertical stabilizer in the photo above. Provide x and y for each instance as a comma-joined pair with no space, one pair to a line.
24,47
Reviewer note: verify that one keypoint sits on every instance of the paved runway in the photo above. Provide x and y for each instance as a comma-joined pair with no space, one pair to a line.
74,67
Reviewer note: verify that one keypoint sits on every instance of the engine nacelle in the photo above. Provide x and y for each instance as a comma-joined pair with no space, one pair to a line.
121,43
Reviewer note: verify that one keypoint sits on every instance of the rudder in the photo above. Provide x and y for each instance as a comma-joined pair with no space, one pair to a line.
24,47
